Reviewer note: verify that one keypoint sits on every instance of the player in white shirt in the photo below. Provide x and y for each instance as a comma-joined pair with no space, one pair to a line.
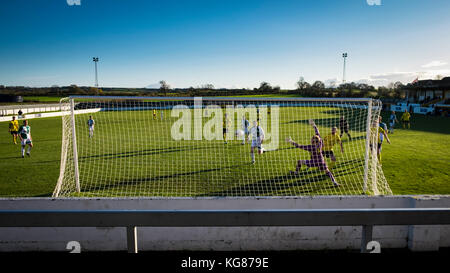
25,137
257,135
91,124
245,125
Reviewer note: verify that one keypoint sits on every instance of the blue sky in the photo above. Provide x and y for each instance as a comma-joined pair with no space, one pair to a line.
226,43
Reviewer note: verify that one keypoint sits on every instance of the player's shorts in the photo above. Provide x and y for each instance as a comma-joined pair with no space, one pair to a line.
378,147
392,124
405,121
256,143
343,129
328,154
315,164
91,128
246,131
14,132
26,141
225,130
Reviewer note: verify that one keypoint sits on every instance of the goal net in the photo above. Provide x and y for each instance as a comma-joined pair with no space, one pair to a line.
211,147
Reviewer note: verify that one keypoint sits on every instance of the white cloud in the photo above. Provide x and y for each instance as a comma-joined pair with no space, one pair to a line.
332,82
431,74
153,86
386,78
74,2
403,77
434,64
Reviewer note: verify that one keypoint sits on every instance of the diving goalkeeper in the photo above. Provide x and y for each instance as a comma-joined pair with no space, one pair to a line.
315,149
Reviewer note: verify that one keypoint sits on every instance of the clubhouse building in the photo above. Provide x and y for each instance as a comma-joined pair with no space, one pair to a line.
428,92
426,97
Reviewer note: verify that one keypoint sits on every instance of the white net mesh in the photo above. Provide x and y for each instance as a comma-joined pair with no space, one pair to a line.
175,147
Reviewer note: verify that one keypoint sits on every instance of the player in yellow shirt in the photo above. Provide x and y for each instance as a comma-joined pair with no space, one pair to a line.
14,128
376,126
328,142
154,113
405,119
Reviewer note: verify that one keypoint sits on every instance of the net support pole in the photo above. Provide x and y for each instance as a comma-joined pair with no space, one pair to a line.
367,145
74,142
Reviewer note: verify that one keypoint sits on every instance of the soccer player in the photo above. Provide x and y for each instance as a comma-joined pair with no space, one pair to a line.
91,124
380,137
315,149
392,121
14,128
343,127
328,142
405,119
257,135
245,125
154,113
382,125
25,138
225,125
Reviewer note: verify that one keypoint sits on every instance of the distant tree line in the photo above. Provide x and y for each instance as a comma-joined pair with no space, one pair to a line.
303,88
352,89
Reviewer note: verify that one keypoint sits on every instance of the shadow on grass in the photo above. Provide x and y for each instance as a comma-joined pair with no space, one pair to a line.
130,154
138,181
11,157
142,152
50,194
274,185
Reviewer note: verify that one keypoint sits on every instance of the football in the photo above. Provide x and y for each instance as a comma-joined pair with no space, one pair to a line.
239,133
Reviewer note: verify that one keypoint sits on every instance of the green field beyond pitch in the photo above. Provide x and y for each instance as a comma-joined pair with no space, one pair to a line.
133,155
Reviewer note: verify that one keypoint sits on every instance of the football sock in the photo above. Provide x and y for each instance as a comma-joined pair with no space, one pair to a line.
331,177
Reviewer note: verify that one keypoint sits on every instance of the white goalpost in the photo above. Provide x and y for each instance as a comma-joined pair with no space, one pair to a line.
219,147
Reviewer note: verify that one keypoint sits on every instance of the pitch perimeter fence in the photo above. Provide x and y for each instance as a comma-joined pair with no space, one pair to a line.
132,219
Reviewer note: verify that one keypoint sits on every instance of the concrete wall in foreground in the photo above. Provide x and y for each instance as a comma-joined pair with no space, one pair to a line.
417,238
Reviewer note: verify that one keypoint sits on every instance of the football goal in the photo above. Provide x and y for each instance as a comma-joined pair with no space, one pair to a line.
219,147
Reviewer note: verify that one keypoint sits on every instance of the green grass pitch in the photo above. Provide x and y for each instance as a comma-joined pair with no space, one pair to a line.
139,158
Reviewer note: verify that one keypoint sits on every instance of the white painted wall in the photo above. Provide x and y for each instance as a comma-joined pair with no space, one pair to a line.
417,109
51,114
423,110
224,238
29,108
